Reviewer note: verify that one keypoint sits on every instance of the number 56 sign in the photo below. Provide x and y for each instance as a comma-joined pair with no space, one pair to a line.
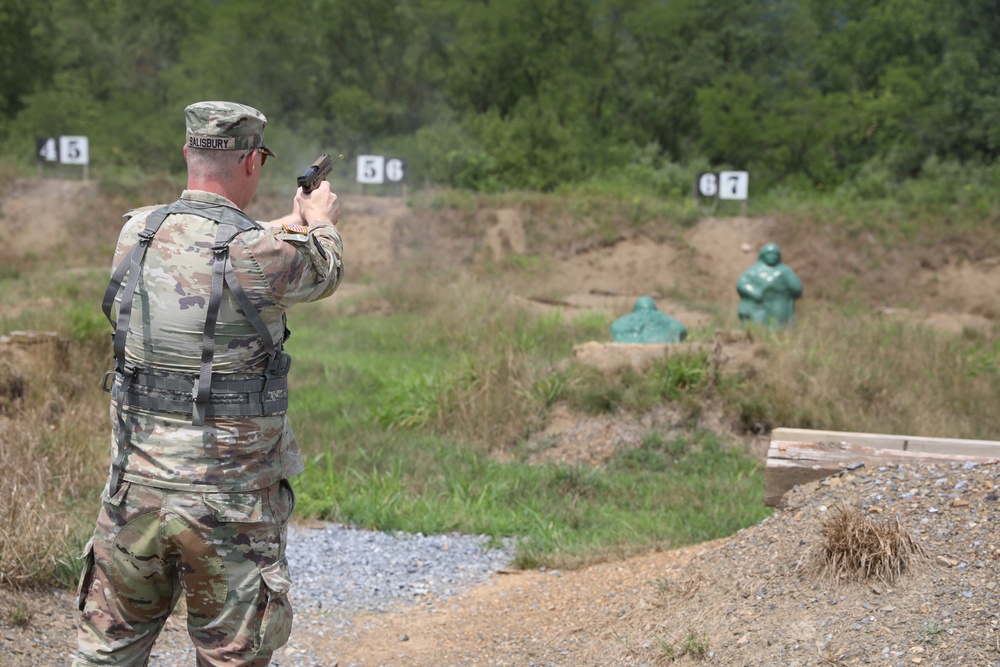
377,169
724,185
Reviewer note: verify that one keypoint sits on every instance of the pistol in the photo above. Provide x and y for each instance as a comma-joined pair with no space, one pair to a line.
310,179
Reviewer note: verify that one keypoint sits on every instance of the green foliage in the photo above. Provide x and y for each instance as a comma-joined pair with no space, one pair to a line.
87,323
551,387
411,401
683,378
655,454
392,412
593,394
557,514
68,565
695,645
455,158
24,61
806,94
647,171
680,373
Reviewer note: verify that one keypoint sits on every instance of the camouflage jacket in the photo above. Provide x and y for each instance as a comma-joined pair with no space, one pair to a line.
165,334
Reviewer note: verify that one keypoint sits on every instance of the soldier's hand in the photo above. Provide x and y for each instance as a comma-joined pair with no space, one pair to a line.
319,206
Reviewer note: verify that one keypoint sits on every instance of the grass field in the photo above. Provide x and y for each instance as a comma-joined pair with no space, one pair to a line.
418,419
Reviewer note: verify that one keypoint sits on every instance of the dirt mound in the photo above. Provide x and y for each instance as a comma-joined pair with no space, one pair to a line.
37,215
692,278
698,267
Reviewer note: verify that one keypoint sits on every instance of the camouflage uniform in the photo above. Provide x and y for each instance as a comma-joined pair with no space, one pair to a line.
202,509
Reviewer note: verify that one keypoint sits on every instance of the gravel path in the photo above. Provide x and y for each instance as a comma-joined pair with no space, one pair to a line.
338,573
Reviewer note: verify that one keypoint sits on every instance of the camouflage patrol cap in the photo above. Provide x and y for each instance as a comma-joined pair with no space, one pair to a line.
225,126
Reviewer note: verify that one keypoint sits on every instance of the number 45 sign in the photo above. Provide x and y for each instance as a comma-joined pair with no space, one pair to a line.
724,185
65,149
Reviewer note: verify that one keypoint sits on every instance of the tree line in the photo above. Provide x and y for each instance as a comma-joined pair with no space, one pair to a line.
522,94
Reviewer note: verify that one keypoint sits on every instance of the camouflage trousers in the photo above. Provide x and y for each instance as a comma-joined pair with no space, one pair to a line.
224,551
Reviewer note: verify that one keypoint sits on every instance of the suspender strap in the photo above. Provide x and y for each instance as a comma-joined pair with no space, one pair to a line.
203,390
132,260
131,264
279,362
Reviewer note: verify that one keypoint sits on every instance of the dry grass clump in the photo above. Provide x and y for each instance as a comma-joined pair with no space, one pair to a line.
857,548
52,453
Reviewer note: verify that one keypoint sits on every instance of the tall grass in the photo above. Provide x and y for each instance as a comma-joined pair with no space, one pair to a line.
51,455
53,415
848,370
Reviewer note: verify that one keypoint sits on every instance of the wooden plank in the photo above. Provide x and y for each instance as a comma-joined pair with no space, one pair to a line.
799,456
906,443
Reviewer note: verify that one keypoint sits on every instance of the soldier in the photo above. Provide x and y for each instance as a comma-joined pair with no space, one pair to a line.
198,498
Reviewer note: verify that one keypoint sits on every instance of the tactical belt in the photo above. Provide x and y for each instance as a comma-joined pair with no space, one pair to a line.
205,394
170,392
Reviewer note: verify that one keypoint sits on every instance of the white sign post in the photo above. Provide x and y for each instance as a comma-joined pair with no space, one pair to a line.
65,150
377,169
708,184
734,185
371,169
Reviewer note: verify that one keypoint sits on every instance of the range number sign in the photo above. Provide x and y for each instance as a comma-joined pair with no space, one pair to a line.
724,185
377,169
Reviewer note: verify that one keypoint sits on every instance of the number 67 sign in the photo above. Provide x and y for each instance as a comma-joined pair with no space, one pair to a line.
725,185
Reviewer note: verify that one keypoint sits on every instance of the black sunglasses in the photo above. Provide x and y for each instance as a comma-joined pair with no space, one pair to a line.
260,149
